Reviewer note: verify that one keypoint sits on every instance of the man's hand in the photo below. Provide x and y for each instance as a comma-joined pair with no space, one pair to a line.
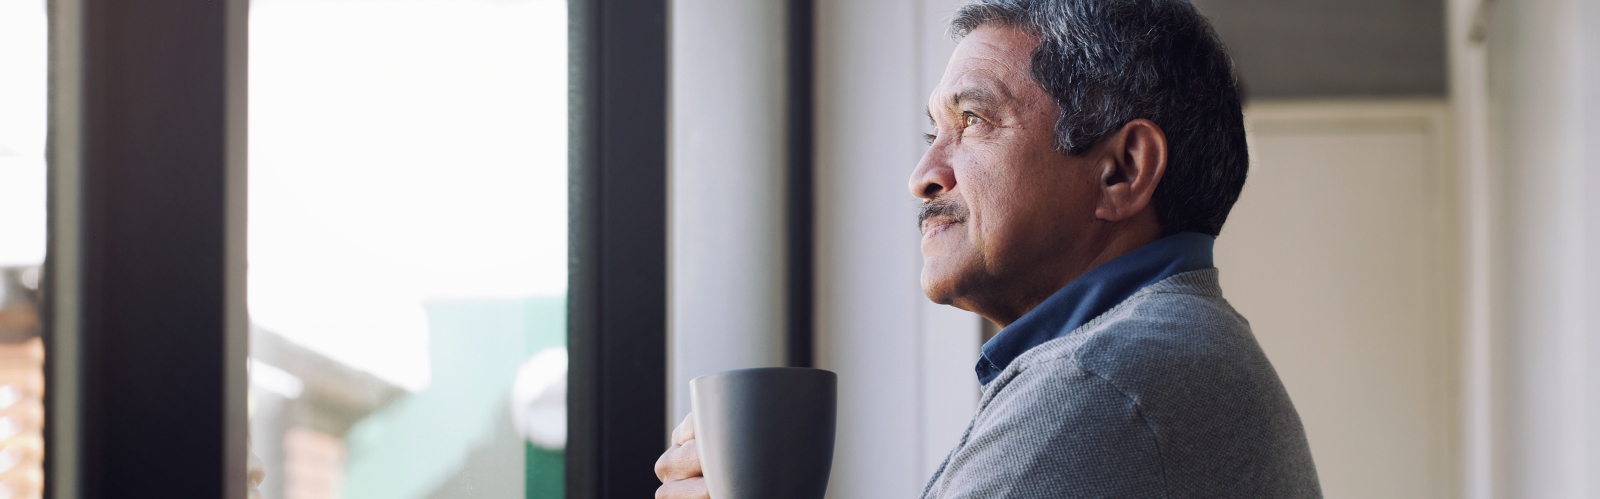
679,466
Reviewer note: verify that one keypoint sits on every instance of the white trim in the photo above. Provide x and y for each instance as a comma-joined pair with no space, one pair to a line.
66,243
1467,25
236,314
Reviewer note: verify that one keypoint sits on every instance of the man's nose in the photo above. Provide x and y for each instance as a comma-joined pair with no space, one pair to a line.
933,175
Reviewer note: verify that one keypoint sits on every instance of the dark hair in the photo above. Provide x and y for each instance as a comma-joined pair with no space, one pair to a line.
1108,62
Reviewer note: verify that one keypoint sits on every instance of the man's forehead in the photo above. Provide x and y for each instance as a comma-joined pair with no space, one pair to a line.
985,66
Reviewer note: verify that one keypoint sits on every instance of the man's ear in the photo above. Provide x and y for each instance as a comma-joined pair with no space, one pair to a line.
1132,161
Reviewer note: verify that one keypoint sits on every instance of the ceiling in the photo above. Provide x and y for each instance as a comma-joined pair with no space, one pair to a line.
1334,48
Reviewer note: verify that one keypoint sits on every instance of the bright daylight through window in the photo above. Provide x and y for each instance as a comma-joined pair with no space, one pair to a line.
407,247
23,77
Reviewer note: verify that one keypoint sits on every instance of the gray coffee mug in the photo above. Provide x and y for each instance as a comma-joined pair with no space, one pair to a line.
765,433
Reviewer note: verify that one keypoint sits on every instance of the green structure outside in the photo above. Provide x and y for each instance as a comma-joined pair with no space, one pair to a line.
455,439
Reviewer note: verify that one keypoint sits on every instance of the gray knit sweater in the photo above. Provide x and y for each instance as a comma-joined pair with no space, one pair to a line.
1165,395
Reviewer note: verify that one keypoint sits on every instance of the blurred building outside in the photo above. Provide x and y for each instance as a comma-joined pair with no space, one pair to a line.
22,246
407,248
21,385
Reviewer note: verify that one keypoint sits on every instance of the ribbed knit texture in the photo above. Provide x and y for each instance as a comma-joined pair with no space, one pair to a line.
1165,395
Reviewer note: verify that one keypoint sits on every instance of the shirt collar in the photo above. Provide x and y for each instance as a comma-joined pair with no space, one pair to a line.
1092,294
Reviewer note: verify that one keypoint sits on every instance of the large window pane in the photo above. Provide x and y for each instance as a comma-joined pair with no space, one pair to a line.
408,247
23,56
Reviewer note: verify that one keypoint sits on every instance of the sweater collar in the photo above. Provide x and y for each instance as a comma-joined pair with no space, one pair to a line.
1092,294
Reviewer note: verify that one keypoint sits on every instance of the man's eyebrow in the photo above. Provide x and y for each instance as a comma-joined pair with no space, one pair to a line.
977,95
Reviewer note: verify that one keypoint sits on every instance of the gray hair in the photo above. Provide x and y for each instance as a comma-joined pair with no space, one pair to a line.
1108,62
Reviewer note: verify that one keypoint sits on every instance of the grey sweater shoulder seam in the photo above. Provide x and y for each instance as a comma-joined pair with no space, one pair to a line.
1071,363
1064,350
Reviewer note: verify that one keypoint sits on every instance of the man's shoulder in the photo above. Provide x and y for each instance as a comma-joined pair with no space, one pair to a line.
1187,366
1171,329
1180,322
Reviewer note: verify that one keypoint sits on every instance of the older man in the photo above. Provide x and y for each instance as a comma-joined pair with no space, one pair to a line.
1086,155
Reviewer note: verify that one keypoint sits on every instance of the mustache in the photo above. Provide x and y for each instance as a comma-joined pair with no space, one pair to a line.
941,207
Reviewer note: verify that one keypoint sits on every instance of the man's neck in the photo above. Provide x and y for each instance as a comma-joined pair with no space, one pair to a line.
1033,286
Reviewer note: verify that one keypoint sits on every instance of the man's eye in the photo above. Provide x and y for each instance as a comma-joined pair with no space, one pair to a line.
928,137
972,119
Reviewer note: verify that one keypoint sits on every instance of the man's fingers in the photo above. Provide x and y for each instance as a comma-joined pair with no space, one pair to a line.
679,463
679,467
693,488
685,430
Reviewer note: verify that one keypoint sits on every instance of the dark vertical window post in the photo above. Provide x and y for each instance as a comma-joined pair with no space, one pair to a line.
147,372
801,178
617,315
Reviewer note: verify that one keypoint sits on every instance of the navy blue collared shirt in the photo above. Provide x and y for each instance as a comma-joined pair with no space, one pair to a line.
1092,294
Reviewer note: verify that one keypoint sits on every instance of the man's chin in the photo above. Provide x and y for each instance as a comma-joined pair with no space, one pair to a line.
940,287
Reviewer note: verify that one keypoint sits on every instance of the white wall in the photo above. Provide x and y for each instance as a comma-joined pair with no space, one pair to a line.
727,232
905,365
1341,253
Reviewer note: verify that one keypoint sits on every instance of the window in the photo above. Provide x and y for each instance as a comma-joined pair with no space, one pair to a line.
374,293
407,247
22,244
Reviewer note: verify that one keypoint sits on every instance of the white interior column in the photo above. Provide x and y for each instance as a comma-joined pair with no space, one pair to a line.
1542,62
907,389
950,338
727,232
866,295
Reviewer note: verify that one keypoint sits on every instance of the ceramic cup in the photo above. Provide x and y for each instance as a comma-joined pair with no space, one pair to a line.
765,433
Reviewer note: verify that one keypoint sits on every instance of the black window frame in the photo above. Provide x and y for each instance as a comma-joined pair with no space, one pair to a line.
143,317
617,287
144,321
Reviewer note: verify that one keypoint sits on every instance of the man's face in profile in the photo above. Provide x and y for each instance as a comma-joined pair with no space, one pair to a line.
1000,202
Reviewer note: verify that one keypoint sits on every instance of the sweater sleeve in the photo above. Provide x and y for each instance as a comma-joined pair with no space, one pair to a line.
1056,431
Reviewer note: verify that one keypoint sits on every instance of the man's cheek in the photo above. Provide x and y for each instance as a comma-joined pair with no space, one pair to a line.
943,245
943,251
